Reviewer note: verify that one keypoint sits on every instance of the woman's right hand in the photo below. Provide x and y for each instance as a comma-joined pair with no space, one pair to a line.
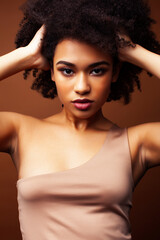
34,50
28,57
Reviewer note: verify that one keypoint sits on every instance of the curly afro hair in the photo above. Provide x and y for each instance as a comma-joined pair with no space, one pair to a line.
96,22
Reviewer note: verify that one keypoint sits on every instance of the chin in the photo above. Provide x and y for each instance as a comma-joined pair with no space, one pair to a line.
84,114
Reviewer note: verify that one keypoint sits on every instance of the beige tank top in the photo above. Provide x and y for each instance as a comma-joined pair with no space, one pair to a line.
88,202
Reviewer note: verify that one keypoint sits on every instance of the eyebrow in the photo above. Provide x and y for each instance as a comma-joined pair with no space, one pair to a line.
90,66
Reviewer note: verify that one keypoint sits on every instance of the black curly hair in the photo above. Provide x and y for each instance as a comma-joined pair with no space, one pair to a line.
96,22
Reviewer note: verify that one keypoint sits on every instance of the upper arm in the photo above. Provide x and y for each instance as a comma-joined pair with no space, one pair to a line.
149,139
9,126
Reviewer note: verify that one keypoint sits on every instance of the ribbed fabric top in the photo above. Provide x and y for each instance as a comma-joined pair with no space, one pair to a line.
88,202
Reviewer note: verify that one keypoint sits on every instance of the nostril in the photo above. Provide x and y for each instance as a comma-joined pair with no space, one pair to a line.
82,88
82,91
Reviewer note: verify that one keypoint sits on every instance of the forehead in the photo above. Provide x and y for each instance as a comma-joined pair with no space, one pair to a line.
75,51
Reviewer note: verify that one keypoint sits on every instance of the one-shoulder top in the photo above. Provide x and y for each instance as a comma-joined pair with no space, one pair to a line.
88,202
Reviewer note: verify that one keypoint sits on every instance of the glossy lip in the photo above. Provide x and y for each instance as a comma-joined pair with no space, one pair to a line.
84,100
82,106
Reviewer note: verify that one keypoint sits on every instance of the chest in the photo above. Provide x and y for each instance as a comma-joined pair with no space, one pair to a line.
51,154
105,178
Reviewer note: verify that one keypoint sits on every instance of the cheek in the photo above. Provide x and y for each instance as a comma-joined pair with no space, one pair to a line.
59,84
63,90
103,88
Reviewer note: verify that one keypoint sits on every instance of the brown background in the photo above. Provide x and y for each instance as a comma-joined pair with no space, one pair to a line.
15,95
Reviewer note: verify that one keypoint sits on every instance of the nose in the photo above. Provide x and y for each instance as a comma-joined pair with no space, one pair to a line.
82,85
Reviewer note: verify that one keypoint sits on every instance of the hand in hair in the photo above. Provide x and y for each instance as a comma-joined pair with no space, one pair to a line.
34,48
124,48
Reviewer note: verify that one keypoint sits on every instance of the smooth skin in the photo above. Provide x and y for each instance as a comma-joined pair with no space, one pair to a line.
72,137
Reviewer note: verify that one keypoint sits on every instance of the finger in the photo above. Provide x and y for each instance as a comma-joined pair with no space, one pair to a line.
42,31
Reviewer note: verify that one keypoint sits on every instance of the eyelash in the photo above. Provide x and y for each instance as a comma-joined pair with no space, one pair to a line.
65,69
102,71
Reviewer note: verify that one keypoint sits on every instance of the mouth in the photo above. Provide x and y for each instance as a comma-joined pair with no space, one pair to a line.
82,104
84,100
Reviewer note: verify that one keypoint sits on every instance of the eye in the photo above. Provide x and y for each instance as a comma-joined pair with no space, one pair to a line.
98,71
66,71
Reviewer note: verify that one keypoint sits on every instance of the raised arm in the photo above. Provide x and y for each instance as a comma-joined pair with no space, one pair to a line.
141,57
146,136
11,63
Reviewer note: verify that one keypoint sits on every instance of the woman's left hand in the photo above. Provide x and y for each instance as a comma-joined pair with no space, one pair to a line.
125,45
139,56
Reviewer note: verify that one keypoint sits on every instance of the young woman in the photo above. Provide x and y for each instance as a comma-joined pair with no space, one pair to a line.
77,170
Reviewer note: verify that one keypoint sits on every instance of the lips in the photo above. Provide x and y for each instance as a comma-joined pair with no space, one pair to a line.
85,100
82,104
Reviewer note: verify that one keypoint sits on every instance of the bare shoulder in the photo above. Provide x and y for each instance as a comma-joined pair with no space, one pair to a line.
143,133
16,119
135,134
134,138
11,125
147,138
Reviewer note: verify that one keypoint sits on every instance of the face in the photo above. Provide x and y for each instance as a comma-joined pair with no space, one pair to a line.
83,75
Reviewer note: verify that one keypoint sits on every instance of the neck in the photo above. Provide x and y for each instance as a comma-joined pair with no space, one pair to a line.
82,124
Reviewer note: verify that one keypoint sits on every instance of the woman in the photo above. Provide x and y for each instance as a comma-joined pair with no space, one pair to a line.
71,185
